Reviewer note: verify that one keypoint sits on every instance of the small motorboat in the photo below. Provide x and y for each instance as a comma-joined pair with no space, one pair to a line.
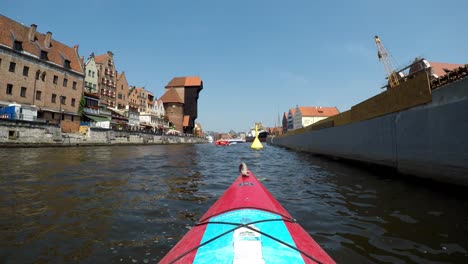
221,142
247,225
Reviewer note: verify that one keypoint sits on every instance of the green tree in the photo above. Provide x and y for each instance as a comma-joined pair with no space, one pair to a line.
81,106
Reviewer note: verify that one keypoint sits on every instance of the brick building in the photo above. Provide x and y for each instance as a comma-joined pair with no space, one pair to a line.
122,91
181,102
107,77
38,71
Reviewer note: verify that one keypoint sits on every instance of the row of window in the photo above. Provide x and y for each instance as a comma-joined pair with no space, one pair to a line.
38,96
91,73
42,75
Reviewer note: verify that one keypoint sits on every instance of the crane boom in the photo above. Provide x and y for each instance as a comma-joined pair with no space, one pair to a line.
385,59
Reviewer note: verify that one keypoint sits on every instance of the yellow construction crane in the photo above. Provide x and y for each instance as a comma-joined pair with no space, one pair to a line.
385,59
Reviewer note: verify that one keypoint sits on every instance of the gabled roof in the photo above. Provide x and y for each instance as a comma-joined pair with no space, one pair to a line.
293,111
314,111
185,81
100,59
171,96
57,53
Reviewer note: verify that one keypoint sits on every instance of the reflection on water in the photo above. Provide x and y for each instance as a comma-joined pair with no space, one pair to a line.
132,204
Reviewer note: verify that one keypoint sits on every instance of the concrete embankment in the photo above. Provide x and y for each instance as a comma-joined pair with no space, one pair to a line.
428,141
31,134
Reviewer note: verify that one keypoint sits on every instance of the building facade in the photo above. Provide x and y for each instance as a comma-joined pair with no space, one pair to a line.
39,72
307,115
188,90
291,113
91,75
122,91
107,77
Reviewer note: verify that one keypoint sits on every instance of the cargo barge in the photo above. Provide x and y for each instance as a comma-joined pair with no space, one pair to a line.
419,127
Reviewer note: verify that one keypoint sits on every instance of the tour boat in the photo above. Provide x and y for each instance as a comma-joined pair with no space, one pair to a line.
247,225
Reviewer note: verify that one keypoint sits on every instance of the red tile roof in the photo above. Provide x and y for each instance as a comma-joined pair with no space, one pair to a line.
57,53
185,81
171,96
186,120
438,67
318,111
100,59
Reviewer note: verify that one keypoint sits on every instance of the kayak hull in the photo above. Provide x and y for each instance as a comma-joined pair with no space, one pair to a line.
247,225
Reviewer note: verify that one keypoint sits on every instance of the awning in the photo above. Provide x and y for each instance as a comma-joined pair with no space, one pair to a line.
98,118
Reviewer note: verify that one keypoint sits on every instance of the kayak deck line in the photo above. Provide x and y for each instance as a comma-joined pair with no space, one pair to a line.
247,225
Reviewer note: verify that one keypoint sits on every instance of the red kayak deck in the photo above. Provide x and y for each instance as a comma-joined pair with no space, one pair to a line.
245,196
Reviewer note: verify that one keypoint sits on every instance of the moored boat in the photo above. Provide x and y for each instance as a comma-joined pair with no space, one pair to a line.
221,142
247,225
417,127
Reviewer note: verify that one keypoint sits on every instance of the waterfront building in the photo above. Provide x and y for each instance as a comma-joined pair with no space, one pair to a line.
40,73
122,91
174,108
181,102
107,77
284,122
291,113
151,116
92,112
91,75
307,115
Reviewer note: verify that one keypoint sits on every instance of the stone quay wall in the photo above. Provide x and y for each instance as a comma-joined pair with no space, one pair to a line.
17,133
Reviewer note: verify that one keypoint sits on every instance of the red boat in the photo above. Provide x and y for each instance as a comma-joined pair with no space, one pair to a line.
221,142
247,225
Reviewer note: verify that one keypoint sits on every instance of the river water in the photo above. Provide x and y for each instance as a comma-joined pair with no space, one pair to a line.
131,204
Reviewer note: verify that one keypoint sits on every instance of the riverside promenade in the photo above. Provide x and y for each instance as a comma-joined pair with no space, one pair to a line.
14,133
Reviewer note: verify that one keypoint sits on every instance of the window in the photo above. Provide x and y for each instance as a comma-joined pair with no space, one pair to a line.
93,74
25,71
63,100
120,96
43,76
9,89
73,102
54,98
44,55
12,67
89,72
18,45
65,82
66,64
55,79
38,95
37,75
74,86
23,92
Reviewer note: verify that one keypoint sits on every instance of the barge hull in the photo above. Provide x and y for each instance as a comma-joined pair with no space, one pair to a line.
428,141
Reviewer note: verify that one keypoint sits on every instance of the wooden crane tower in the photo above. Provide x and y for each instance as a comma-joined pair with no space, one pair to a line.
385,59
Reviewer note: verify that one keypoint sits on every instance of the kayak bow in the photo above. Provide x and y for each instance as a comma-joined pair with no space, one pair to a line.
247,225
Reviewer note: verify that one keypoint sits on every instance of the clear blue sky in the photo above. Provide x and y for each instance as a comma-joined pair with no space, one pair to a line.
257,58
